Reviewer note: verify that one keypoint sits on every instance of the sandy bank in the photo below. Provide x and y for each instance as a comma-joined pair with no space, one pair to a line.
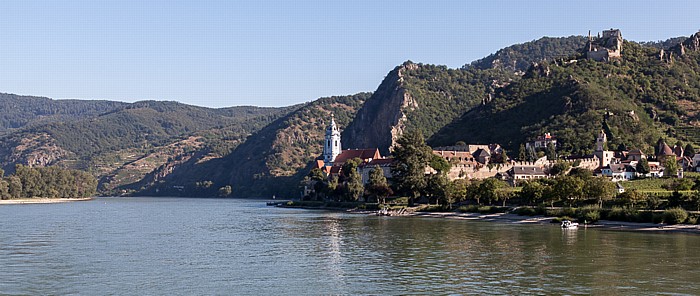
40,200
603,224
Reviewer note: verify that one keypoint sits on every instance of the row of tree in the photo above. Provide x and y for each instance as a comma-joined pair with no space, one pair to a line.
49,182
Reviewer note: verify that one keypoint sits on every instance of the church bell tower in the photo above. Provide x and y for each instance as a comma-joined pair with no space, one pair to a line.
331,146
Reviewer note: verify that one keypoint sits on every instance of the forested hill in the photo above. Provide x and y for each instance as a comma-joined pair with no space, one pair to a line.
636,100
124,143
19,111
519,57
270,162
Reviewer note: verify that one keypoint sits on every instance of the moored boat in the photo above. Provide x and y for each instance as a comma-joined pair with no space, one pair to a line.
566,224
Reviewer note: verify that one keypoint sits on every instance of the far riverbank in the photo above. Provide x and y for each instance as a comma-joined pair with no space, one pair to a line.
513,219
40,200
534,220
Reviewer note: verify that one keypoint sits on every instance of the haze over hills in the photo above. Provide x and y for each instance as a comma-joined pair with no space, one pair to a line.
519,92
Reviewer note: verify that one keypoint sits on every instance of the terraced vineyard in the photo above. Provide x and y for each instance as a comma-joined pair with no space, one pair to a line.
688,133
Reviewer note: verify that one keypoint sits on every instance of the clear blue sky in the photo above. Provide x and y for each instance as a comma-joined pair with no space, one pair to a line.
275,53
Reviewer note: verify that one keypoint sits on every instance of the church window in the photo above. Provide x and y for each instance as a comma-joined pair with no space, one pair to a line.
329,143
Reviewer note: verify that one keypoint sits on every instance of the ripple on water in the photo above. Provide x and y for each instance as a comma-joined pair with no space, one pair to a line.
188,246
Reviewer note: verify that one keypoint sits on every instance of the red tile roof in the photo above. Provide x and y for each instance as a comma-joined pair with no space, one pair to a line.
364,154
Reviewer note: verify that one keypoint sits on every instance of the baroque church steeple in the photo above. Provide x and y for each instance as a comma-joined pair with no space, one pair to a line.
332,146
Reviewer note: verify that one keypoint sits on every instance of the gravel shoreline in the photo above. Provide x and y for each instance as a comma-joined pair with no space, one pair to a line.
40,200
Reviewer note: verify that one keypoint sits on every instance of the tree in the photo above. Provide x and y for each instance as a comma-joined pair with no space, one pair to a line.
438,187
670,167
689,151
679,144
488,189
531,154
331,187
352,180
459,189
504,157
559,168
581,173
225,191
377,185
568,188
599,188
316,175
522,153
532,191
15,186
657,149
643,167
4,189
695,199
411,158
439,164
551,151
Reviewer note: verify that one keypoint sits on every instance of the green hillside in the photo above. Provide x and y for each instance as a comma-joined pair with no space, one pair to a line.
636,100
519,57
270,162
126,143
19,111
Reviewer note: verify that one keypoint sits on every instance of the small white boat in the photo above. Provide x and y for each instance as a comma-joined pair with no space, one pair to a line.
566,224
383,212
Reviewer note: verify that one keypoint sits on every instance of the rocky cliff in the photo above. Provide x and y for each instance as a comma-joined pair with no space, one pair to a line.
382,118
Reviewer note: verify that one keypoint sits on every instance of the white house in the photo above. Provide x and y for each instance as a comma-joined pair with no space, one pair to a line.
619,172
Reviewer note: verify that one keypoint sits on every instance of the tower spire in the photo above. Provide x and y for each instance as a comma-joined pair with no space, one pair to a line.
332,145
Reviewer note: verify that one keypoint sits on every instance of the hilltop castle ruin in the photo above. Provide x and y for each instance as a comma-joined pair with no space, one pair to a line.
605,48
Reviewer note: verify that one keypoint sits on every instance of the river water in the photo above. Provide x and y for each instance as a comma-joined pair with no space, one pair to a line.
175,246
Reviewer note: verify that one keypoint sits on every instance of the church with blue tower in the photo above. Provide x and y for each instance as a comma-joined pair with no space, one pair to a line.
332,146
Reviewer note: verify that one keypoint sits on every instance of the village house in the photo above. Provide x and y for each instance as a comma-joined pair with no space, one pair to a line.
619,172
524,173
542,142
473,161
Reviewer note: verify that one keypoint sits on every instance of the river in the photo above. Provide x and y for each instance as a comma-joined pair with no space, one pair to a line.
175,246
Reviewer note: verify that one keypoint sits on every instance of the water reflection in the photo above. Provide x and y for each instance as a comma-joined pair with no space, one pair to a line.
182,246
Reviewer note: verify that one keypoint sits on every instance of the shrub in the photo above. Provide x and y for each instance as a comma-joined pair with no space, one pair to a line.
485,209
468,209
619,214
525,211
675,216
692,220
591,216
559,219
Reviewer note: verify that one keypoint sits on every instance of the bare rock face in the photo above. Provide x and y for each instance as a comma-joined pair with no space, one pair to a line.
37,151
381,120
689,45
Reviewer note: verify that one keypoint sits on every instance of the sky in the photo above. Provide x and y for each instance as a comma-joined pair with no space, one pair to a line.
279,53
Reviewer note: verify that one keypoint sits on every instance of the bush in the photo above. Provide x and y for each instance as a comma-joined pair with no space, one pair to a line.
468,209
692,220
619,214
591,216
525,211
432,208
675,216
560,219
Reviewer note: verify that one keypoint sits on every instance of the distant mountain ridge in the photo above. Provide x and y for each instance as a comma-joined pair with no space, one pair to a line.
121,142
519,92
